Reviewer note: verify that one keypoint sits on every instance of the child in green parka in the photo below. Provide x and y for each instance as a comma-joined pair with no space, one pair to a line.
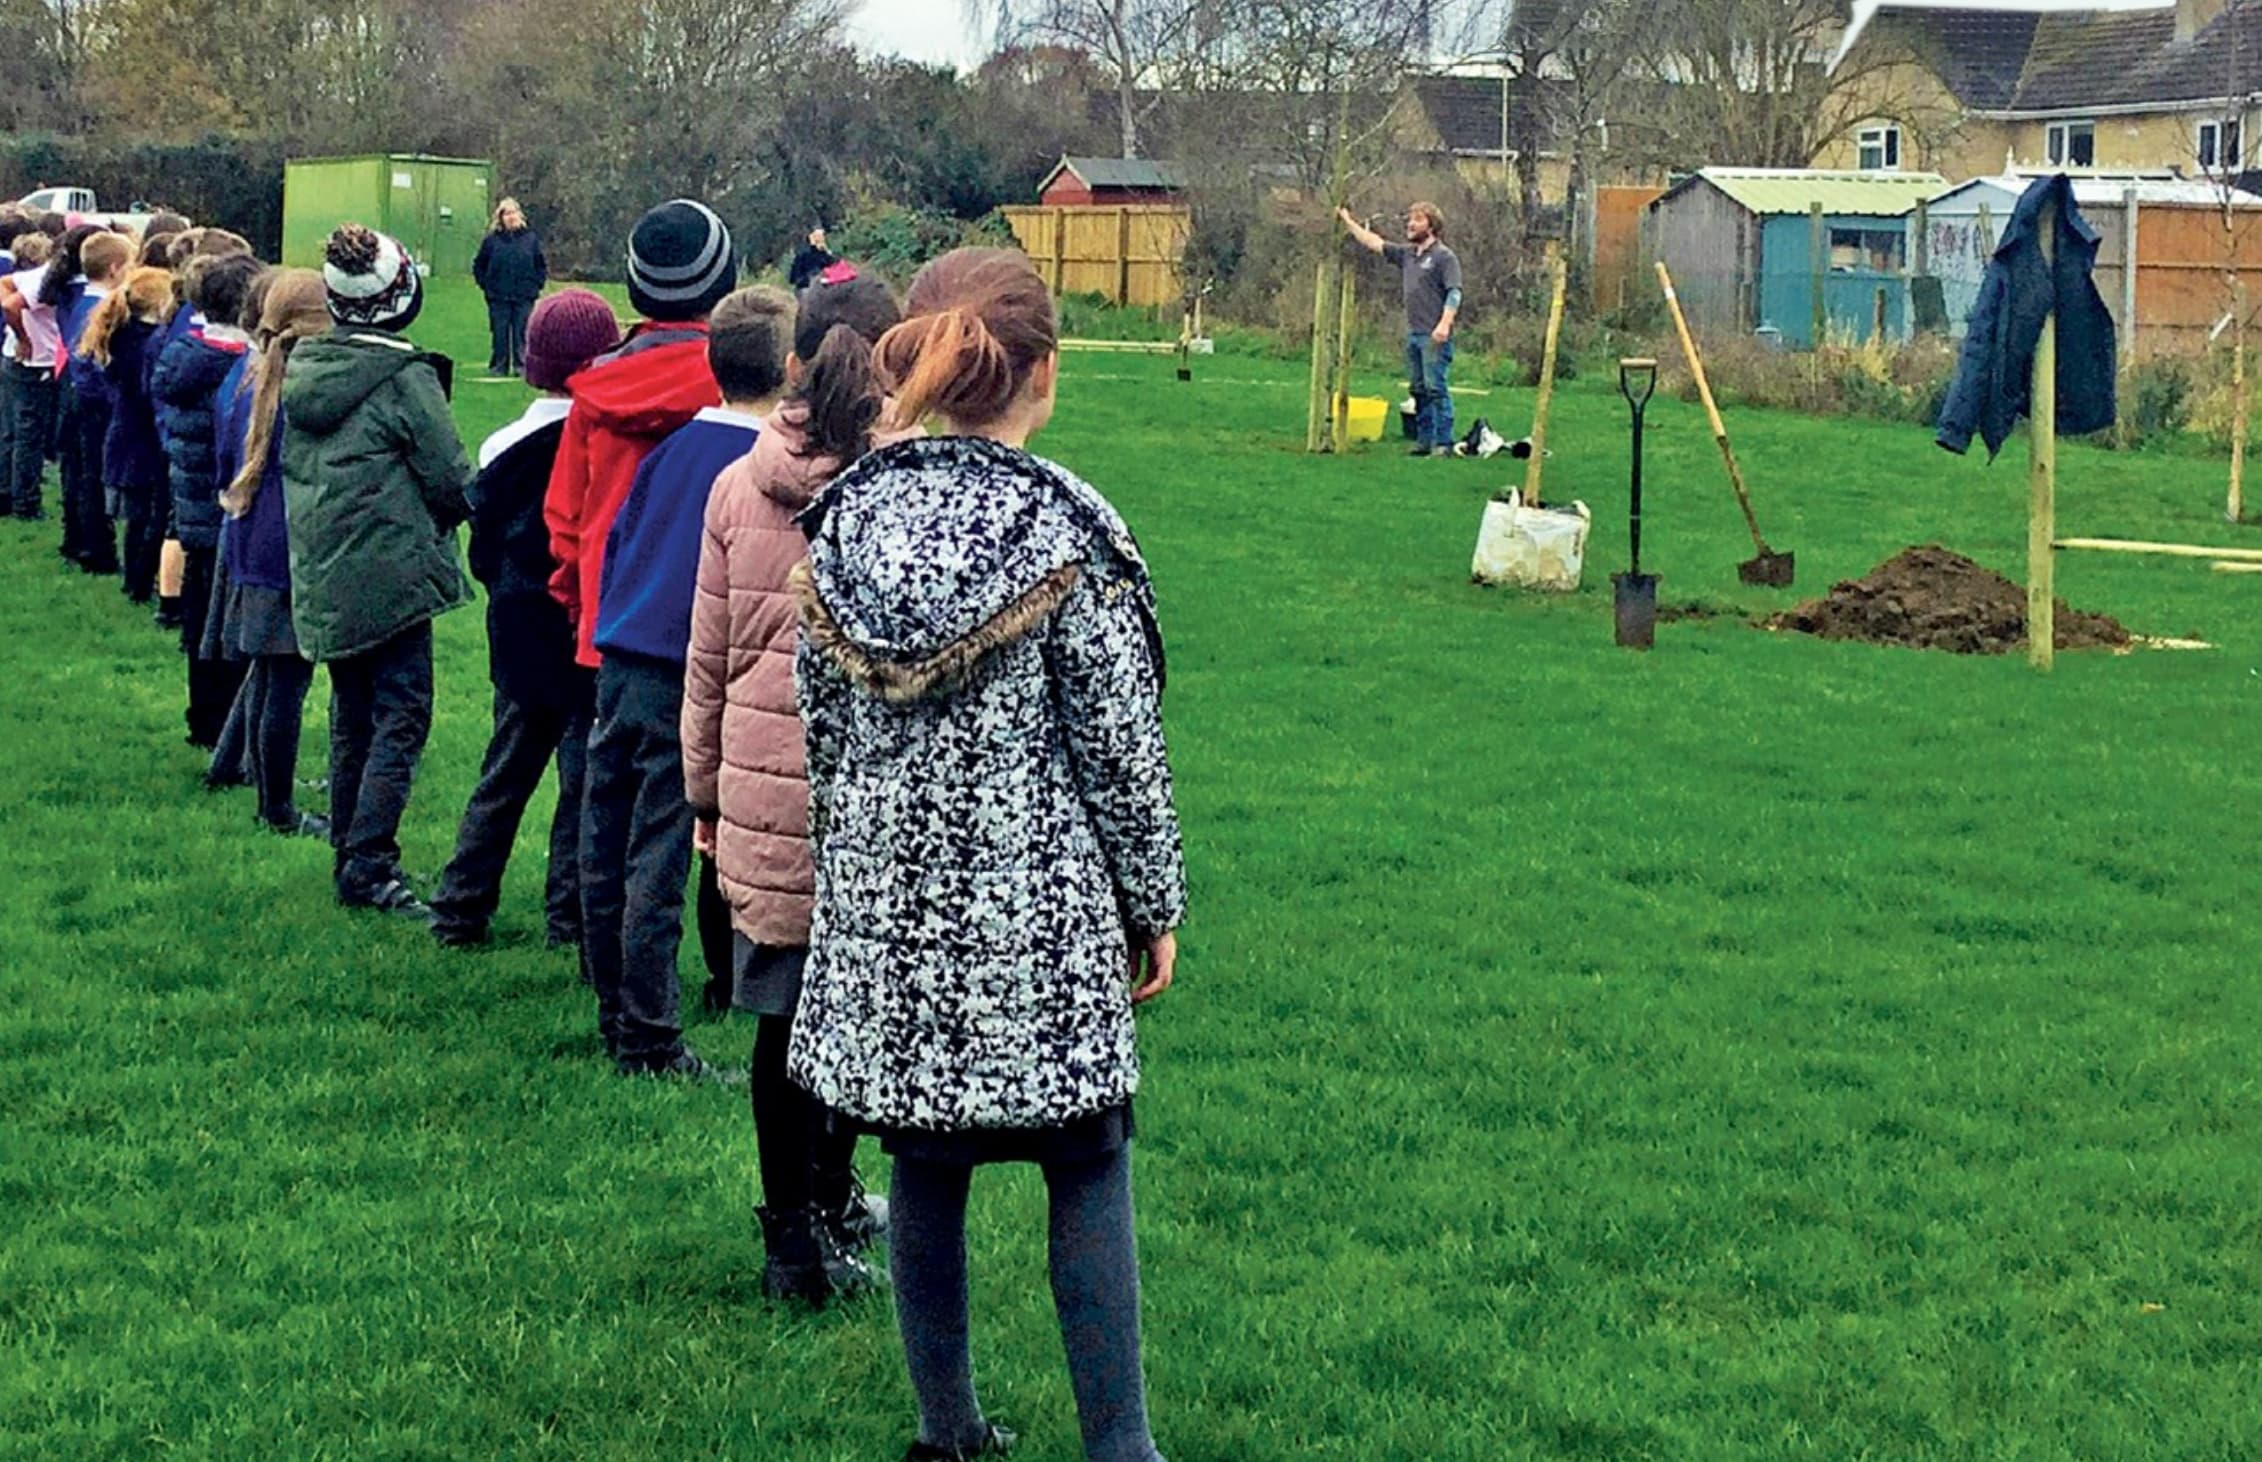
373,479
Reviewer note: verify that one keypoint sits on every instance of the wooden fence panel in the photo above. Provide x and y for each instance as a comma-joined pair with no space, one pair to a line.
1125,255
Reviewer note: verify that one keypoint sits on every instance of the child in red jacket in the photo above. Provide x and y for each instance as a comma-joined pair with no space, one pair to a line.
680,265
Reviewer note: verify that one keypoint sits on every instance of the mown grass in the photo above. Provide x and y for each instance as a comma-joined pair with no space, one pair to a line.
1760,1048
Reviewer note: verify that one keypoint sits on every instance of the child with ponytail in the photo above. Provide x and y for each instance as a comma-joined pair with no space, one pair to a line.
90,540
255,617
744,768
997,854
119,343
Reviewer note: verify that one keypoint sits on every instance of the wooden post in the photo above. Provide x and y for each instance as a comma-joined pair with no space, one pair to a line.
1123,256
1818,263
1059,251
1877,320
1535,465
2042,479
1340,384
1986,233
2128,279
2239,406
1920,251
1316,418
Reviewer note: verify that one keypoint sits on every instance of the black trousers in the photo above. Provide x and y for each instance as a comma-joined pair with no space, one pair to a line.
506,330
143,509
380,718
274,701
635,859
526,740
34,396
89,539
213,682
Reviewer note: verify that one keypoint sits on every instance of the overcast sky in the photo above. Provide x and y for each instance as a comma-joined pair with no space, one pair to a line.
923,30
936,30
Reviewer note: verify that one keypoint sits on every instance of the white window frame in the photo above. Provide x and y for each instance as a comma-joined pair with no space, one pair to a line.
2057,144
1885,137
2211,151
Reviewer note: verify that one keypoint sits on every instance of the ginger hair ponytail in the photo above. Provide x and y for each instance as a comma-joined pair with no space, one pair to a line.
297,308
979,322
145,295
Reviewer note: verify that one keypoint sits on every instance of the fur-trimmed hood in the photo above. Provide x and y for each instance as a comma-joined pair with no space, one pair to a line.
930,555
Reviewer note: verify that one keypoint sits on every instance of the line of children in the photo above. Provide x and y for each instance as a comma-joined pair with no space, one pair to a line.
939,806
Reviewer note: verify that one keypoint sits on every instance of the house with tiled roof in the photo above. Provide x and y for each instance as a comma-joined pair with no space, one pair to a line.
1974,92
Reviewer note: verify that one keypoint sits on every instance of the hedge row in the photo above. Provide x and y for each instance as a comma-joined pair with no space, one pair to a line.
236,183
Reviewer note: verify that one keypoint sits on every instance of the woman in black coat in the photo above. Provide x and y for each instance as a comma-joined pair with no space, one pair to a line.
511,271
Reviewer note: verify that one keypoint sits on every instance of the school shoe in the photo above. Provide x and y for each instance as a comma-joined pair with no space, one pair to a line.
450,935
168,615
298,825
803,1265
391,897
1418,452
996,1442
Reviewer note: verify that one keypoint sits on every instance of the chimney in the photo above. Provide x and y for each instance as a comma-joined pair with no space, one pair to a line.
2193,16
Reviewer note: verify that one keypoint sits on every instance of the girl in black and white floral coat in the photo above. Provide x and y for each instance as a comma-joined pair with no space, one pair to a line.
998,861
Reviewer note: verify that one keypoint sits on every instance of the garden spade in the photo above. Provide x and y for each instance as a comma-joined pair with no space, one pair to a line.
1637,591
1769,568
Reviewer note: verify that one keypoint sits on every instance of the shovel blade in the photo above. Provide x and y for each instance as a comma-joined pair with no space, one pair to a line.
1770,570
1637,610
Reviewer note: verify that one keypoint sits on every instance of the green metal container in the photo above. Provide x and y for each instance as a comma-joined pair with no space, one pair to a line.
437,206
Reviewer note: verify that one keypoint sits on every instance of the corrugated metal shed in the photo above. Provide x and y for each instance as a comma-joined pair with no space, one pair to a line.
1772,191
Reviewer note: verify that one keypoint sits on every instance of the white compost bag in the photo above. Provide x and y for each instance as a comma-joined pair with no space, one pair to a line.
1532,548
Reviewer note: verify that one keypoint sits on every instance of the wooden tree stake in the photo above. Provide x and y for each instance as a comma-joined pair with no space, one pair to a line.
1315,420
1535,466
1339,393
2239,407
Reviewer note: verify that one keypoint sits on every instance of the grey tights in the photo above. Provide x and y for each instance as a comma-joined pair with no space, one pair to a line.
1095,1288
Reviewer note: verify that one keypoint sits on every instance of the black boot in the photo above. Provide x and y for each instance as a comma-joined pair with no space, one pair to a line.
803,1264
856,1219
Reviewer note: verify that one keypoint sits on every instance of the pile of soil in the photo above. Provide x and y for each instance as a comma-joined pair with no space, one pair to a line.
1931,599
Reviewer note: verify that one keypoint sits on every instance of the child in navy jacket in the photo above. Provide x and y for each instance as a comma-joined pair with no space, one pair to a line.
637,827
116,348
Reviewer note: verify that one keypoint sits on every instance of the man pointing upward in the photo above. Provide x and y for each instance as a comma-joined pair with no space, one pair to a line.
1431,275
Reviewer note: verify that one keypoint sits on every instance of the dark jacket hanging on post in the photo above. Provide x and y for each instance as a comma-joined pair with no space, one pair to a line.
1994,378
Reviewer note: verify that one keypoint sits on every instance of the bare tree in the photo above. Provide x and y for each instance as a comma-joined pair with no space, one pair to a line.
1140,44
1749,82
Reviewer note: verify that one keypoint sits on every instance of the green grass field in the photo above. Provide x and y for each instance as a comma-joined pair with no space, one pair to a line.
1763,1048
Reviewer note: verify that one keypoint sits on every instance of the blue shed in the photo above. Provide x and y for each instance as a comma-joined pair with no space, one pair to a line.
1739,242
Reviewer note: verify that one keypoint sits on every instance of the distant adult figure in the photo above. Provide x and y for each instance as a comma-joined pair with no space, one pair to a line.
810,260
511,271
1431,276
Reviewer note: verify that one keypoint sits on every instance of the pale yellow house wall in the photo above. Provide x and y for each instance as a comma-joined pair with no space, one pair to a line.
2169,140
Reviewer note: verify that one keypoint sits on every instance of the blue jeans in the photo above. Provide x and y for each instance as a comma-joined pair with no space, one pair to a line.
1427,366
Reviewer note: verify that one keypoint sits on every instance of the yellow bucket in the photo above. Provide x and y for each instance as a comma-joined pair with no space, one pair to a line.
1365,416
